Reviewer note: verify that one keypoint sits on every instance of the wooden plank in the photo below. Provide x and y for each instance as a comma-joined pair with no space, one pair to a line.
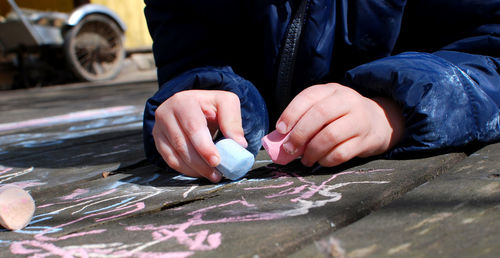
270,213
75,164
36,140
71,152
455,215
62,135
51,101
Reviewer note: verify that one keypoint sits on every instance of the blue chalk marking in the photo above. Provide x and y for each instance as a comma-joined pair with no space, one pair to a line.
184,178
235,160
29,230
34,221
111,206
5,243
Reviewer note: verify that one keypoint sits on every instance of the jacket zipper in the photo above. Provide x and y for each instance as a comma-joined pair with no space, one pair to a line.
289,56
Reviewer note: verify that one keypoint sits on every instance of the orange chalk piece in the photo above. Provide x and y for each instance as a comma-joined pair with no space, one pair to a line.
16,207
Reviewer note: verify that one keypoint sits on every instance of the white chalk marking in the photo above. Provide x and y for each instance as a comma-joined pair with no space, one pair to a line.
72,117
8,177
188,191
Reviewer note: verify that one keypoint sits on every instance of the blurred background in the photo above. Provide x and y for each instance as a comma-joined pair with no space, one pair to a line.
62,41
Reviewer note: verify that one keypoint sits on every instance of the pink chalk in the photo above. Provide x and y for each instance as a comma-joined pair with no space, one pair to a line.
273,143
16,207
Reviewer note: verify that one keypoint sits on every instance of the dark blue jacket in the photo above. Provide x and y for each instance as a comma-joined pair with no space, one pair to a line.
439,59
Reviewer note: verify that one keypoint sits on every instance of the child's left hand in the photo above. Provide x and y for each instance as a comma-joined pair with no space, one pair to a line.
336,124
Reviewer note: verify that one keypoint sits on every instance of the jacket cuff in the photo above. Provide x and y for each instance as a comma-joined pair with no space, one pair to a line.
253,108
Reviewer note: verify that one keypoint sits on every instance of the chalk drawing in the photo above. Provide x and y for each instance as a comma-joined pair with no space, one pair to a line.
72,117
54,138
75,193
185,194
296,194
8,176
104,122
185,178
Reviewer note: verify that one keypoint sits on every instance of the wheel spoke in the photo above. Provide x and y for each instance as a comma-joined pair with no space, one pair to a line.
98,68
97,48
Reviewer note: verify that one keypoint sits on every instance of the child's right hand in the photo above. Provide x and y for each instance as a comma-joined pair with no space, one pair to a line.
182,131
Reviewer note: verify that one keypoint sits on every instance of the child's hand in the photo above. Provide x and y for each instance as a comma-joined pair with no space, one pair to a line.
337,124
182,130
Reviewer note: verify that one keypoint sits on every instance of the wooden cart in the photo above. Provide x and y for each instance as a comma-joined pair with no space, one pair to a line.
91,38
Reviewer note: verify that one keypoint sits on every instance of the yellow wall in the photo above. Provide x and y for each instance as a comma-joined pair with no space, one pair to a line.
132,13
44,5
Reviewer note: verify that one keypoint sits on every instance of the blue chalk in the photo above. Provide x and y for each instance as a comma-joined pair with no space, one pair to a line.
235,160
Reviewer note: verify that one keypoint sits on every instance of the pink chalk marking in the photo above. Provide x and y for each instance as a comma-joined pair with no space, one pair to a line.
79,200
198,214
138,206
307,190
28,184
291,191
269,186
51,250
157,255
18,248
5,170
70,117
202,240
315,189
75,193
80,234
195,241
242,202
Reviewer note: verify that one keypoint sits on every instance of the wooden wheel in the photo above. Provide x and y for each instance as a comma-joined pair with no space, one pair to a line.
94,48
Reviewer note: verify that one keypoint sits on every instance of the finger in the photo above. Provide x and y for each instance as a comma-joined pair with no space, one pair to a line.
299,105
314,120
332,135
185,151
171,157
176,162
341,153
193,124
229,117
193,168
200,166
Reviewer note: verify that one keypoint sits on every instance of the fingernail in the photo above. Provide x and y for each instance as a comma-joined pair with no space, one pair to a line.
215,176
281,127
306,163
242,141
289,148
214,161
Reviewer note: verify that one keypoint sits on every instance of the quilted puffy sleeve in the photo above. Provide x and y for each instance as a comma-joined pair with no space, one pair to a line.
450,90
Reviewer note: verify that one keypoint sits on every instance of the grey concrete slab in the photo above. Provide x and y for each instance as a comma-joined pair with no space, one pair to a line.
455,215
